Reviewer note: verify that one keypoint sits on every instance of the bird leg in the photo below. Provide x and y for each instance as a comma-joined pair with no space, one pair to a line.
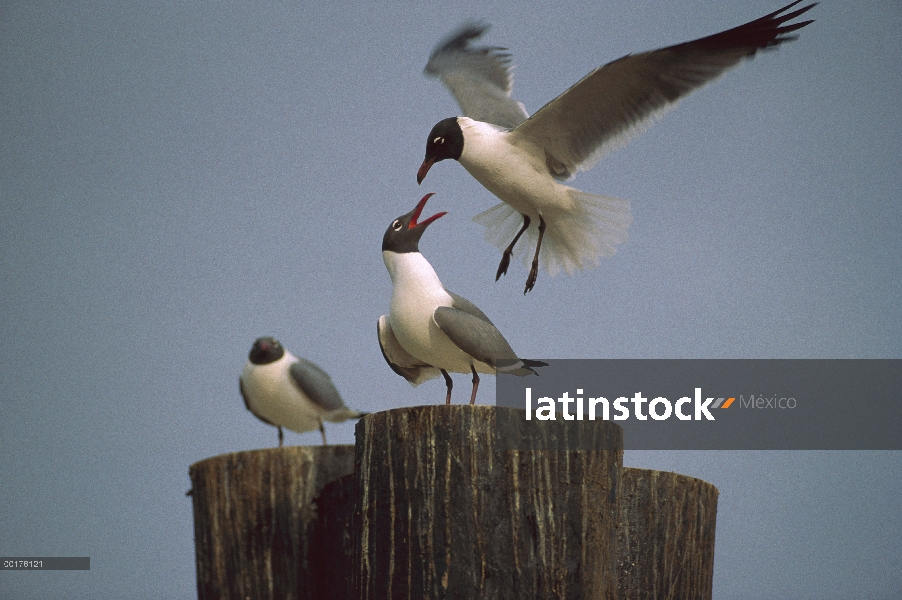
322,430
534,271
475,385
450,385
280,436
506,255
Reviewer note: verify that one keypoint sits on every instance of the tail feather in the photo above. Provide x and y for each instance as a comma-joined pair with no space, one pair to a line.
575,238
520,367
343,414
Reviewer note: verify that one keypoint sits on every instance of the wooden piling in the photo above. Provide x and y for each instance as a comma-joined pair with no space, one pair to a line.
665,542
332,541
254,515
445,514
432,504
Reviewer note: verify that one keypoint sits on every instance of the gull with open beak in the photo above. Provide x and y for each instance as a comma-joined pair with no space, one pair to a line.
429,330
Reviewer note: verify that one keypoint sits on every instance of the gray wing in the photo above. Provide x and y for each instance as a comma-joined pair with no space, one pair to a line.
601,111
316,383
402,362
468,307
479,77
474,335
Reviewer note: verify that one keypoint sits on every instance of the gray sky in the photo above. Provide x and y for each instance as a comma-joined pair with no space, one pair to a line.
177,180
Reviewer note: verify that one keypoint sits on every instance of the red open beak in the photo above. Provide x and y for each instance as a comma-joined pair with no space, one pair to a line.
419,209
424,168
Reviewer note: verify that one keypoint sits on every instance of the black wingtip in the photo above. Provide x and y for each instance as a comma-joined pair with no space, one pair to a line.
764,33
533,364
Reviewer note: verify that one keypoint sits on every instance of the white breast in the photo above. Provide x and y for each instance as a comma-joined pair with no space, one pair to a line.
515,173
272,395
417,293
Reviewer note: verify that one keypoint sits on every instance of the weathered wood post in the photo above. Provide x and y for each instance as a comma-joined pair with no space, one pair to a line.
432,503
665,542
444,513
253,520
332,541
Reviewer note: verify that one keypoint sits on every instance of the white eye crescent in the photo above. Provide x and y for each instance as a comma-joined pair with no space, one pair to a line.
438,140
396,225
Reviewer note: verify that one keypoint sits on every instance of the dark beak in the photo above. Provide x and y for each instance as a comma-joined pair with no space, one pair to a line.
424,168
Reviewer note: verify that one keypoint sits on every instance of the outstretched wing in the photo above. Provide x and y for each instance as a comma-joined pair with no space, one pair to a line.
479,77
402,362
605,107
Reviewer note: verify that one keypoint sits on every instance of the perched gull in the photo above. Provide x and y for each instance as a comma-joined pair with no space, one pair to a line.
286,391
430,330
523,159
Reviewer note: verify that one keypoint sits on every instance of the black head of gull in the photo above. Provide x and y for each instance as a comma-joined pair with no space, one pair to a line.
404,233
266,350
446,140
